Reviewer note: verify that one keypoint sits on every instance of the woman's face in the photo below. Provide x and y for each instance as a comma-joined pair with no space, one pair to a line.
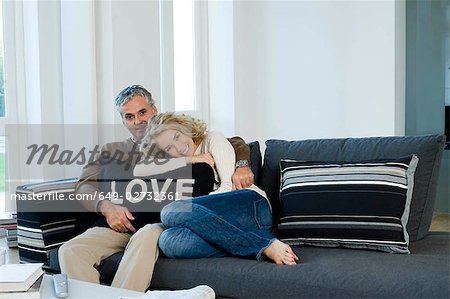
175,143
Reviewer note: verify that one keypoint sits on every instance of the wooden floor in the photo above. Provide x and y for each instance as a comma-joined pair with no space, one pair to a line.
440,222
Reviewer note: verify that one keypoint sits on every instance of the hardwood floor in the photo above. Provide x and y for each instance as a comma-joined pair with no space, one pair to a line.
440,222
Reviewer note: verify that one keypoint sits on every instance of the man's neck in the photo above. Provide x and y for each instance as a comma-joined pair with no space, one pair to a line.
135,140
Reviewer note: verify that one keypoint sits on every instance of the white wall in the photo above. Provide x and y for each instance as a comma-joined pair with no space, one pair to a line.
221,67
312,69
127,52
278,69
294,69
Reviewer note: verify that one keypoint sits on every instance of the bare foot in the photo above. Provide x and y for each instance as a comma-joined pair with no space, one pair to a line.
280,253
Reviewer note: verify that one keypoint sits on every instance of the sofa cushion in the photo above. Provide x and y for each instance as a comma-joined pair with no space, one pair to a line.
427,148
357,205
322,273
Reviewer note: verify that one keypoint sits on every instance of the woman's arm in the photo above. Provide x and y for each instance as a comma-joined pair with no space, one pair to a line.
223,153
156,166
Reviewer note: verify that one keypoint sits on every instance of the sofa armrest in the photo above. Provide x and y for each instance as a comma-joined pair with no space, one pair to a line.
38,232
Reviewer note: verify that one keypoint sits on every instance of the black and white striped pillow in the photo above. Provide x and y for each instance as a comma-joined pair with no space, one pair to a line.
357,205
38,231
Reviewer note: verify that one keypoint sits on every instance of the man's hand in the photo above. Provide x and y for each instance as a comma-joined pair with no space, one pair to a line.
203,158
117,217
242,178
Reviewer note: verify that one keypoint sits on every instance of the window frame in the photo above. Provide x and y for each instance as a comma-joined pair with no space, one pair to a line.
201,67
14,76
12,35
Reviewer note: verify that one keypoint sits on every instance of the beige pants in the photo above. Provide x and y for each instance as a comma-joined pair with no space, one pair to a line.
79,256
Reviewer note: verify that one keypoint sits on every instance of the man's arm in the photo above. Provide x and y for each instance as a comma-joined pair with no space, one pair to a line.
243,176
117,217
88,184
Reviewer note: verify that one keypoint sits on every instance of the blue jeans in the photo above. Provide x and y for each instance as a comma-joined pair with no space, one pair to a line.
232,223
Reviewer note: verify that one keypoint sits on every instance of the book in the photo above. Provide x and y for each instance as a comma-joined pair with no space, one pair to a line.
8,227
19,277
32,293
11,237
8,218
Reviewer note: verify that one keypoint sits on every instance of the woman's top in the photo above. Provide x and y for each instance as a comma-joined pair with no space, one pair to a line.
224,157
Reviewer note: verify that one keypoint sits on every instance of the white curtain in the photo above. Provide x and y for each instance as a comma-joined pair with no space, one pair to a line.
50,79
65,61
50,61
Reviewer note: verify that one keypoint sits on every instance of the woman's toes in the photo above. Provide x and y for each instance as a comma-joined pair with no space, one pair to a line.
280,253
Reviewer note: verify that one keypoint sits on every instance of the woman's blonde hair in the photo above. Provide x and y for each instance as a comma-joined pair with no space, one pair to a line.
185,124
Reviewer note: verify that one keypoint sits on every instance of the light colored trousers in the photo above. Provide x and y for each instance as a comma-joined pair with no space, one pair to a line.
79,256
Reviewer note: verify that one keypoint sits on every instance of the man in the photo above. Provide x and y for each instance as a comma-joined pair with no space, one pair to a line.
116,231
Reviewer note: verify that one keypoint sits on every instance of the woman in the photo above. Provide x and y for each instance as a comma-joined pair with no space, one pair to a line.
224,222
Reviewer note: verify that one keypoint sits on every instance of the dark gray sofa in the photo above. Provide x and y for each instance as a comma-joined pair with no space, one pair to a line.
323,272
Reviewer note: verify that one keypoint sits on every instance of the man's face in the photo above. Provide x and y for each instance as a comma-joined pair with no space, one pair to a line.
135,115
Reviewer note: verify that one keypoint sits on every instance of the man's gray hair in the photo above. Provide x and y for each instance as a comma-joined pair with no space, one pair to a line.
129,92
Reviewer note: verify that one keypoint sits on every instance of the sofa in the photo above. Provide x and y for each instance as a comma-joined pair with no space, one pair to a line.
324,271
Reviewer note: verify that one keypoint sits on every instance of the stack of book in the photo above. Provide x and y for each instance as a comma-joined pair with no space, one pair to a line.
21,280
8,224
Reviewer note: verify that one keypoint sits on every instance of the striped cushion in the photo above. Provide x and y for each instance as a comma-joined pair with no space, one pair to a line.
39,232
356,205
36,239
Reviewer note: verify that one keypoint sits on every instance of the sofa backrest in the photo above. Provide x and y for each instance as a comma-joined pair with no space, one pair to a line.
428,149
255,160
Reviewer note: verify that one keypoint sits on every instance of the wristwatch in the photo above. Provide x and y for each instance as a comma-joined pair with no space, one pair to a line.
241,163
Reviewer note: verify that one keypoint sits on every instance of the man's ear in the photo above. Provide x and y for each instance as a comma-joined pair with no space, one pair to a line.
155,109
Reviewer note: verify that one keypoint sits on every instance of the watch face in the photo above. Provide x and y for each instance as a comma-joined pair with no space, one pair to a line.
241,163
